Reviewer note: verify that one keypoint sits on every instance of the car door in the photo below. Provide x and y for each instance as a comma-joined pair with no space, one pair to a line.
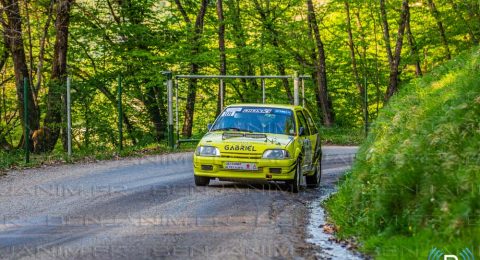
314,137
305,140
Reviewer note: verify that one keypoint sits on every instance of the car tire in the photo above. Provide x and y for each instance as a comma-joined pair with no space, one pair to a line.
295,183
201,181
313,181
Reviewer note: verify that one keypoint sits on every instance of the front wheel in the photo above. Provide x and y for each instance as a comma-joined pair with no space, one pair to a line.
201,181
314,180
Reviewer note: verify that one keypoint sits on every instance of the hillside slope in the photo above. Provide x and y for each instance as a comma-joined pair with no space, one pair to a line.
416,182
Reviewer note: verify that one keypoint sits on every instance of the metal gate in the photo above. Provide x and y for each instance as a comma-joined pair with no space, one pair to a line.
298,84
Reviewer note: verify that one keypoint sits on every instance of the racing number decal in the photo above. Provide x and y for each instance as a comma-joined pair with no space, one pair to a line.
231,111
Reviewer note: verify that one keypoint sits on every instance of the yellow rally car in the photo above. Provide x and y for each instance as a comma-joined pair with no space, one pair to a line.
260,142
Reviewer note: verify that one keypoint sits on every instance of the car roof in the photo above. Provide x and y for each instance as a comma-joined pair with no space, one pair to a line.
292,107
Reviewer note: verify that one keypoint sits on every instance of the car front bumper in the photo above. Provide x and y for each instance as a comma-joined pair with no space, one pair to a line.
267,169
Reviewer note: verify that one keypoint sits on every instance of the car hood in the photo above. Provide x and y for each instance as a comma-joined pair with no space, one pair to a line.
242,142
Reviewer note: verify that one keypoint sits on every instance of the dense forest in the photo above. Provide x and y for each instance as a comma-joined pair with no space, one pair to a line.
351,49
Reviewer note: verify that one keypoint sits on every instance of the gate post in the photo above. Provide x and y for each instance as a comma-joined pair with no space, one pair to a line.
222,95
69,119
296,83
25,118
263,91
365,106
170,109
120,112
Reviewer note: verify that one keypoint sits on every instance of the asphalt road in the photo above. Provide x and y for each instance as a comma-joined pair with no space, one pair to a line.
149,208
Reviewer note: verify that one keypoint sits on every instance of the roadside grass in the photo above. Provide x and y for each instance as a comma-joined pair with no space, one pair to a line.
416,182
341,135
15,159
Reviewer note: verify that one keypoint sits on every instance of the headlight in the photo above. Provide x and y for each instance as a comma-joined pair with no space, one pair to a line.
207,151
276,154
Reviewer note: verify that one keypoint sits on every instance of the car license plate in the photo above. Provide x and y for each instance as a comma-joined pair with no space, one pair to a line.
241,166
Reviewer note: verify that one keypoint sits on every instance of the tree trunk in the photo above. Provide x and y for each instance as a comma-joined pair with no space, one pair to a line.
376,77
153,103
395,59
465,22
4,144
56,107
113,99
221,48
436,15
351,45
194,66
474,15
13,32
363,56
274,34
413,46
245,67
152,99
42,47
386,31
320,69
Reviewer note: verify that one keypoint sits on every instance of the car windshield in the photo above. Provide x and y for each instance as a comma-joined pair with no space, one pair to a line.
256,120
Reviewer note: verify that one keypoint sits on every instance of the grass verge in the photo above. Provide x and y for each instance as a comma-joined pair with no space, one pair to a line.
416,182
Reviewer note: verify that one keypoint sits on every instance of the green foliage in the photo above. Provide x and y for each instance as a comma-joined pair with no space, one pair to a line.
415,184
342,136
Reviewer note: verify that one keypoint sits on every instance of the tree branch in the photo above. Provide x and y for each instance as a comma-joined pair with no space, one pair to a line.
182,11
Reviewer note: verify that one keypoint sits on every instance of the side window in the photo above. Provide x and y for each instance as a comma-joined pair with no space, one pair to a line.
302,122
289,126
311,124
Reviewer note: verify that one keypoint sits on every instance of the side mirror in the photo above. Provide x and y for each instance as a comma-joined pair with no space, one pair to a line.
209,126
301,131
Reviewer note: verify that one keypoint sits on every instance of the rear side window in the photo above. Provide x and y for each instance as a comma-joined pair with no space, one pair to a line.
302,122
311,124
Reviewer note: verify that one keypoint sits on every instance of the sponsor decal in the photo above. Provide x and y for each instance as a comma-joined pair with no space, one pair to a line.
257,110
282,111
236,147
241,166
